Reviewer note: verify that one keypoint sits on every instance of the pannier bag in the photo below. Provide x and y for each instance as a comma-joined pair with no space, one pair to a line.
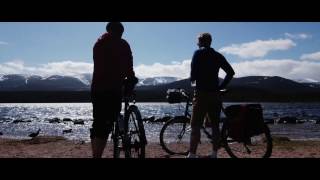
174,96
244,121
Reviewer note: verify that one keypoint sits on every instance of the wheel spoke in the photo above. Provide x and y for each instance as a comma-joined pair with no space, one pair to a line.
136,132
174,136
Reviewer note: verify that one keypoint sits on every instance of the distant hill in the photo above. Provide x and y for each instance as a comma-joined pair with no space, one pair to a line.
273,84
251,88
17,82
22,88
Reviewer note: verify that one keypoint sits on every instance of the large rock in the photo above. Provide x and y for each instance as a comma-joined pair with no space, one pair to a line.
149,119
17,121
20,121
54,120
269,121
78,121
300,121
287,120
67,131
66,119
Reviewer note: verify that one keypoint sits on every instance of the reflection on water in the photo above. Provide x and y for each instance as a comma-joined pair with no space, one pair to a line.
37,115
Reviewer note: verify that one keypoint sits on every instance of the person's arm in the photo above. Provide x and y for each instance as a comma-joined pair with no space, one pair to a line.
129,72
229,72
131,79
95,51
193,67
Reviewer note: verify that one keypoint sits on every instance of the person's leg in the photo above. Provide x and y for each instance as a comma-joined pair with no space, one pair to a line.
214,117
104,116
98,138
98,145
98,134
197,118
194,139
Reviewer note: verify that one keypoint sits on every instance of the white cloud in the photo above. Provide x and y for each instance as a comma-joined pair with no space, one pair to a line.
175,69
258,48
67,68
311,56
14,67
297,36
3,43
287,68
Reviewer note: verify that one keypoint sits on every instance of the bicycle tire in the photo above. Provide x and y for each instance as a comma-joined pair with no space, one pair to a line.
116,141
136,134
181,126
233,147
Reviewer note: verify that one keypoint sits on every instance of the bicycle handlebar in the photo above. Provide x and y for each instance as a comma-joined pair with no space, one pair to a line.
187,94
223,91
129,86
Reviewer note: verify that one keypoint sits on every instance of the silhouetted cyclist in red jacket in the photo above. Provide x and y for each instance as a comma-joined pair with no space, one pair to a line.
113,63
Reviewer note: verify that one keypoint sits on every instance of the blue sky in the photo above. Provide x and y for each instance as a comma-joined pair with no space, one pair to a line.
281,48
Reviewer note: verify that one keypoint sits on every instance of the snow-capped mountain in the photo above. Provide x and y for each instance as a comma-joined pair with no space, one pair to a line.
250,88
153,81
56,88
85,78
307,80
20,82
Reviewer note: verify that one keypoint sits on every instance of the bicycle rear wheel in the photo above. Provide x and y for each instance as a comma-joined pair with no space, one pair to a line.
136,138
175,136
259,146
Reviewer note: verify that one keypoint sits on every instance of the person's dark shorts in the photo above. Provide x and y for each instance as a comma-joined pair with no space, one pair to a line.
205,104
106,110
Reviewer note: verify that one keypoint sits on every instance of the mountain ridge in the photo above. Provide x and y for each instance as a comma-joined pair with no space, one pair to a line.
56,88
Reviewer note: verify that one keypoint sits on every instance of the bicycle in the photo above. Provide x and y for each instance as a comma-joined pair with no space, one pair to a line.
175,135
128,132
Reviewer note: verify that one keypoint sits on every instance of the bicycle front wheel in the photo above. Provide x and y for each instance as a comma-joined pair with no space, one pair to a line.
258,146
117,141
175,136
136,138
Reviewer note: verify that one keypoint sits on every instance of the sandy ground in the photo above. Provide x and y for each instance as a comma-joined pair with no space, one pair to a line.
58,147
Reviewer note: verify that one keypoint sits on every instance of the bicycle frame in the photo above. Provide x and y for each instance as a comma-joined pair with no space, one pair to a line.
189,103
224,141
126,115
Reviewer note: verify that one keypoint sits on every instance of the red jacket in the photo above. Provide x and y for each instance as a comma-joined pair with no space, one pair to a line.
113,62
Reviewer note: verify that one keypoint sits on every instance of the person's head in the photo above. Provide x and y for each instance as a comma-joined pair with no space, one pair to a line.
204,40
115,29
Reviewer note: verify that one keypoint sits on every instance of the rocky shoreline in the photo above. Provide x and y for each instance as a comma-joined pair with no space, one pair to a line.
59,147
153,119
